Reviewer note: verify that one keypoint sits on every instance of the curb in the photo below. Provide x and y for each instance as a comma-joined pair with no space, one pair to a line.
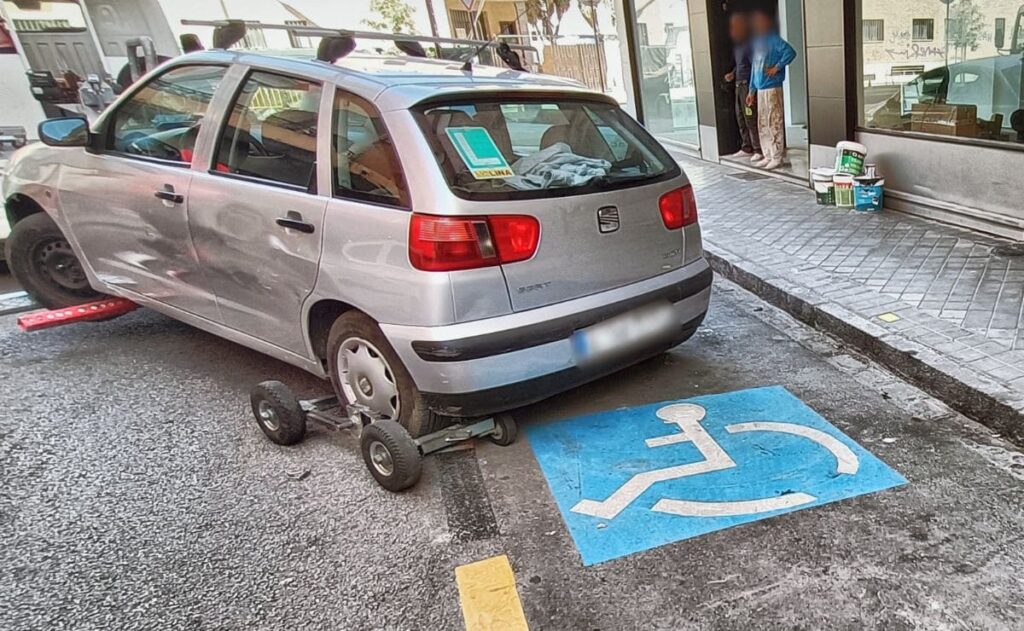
986,401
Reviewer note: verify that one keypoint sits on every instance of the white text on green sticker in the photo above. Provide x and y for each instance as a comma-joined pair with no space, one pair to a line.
478,150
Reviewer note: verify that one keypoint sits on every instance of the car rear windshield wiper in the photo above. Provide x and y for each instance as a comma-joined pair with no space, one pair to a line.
606,181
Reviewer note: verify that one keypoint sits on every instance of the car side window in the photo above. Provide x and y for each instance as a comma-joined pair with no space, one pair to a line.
364,163
161,120
270,133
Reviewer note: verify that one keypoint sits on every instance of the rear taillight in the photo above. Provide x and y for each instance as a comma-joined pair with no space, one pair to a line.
445,244
678,208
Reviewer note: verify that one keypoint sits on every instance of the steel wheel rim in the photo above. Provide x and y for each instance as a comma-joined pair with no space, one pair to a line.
366,378
381,458
268,416
57,263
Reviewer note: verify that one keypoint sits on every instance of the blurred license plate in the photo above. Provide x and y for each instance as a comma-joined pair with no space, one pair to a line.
624,333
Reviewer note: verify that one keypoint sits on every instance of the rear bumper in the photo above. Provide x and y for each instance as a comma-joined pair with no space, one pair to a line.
536,389
505,362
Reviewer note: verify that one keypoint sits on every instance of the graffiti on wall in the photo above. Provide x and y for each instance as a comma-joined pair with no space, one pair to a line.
901,45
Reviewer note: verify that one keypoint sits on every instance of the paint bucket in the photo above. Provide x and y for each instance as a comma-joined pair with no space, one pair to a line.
824,190
868,194
850,158
870,170
843,185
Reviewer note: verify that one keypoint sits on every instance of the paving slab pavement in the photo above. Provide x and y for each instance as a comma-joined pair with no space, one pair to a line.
940,305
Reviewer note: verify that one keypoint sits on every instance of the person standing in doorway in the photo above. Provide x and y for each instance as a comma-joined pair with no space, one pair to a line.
746,115
771,55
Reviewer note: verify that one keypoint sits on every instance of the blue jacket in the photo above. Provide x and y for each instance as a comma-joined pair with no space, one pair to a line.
770,50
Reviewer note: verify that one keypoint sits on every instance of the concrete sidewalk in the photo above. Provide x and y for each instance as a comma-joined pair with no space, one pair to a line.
941,306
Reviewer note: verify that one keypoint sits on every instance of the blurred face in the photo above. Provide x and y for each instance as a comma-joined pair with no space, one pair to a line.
738,27
762,23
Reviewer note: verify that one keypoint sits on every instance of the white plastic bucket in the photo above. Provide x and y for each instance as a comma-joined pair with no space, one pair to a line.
843,190
850,158
824,189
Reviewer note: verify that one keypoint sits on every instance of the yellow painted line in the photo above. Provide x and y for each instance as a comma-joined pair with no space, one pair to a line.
487,591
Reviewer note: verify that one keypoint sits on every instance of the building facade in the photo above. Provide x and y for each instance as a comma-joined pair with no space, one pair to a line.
931,87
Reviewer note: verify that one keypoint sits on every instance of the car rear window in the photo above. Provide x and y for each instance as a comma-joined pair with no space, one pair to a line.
501,149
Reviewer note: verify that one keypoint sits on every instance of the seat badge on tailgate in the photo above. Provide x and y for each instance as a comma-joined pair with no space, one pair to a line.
607,219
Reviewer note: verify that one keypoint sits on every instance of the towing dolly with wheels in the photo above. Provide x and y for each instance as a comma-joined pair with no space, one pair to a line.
393,457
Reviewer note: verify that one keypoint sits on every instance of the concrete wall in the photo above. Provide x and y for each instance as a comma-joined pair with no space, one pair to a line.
976,187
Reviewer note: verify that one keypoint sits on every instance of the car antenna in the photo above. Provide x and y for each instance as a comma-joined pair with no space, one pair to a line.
510,57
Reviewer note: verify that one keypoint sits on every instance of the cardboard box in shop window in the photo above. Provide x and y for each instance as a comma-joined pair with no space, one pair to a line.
945,119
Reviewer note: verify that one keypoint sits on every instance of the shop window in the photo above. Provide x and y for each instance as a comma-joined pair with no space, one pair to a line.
667,93
962,85
923,30
874,31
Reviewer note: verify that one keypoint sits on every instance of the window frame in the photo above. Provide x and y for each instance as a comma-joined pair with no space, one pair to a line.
314,185
104,139
881,30
354,196
931,29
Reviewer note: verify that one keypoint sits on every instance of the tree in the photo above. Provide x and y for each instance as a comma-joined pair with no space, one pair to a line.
966,26
547,15
395,17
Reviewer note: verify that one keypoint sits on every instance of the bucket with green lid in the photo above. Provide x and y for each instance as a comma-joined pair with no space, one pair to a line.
850,157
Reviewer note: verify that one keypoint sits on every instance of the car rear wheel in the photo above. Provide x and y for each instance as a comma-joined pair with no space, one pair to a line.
41,259
366,372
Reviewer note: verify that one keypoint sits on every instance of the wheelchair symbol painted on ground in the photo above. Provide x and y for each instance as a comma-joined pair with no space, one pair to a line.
623,484
688,417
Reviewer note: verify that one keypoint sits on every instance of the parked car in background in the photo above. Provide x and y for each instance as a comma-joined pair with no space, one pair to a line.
438,242
988,91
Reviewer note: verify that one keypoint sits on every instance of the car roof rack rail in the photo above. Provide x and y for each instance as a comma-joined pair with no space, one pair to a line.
337,43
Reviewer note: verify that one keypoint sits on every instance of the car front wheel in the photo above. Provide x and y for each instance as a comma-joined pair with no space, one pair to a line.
41,259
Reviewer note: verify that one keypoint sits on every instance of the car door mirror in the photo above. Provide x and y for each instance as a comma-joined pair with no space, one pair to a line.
64,132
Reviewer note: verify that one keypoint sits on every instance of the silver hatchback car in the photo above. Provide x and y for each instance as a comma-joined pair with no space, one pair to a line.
439,243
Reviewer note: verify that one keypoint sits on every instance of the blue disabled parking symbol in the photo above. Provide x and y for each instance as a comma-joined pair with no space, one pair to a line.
636,478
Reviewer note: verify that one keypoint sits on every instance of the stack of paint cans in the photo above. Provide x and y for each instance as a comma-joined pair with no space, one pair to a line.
851,183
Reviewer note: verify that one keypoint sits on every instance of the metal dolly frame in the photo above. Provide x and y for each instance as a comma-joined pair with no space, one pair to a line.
392,456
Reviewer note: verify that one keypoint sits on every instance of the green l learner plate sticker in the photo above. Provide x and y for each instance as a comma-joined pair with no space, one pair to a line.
478,151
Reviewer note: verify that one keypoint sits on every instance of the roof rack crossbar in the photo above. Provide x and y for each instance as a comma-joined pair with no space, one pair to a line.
317,31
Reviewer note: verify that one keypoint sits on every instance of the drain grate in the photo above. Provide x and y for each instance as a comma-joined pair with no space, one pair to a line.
747,176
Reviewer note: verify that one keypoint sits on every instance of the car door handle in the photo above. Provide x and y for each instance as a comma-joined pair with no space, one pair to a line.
296,223
169,196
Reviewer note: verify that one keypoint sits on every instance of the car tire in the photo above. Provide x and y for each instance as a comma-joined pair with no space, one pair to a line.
278,412
42,261
357,333
391,456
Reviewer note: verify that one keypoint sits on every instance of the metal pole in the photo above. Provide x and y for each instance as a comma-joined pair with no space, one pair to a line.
433,18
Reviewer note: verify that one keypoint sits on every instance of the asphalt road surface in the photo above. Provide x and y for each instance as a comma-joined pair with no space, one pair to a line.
137,493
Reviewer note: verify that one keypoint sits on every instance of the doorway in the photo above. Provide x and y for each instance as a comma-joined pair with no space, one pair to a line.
789,15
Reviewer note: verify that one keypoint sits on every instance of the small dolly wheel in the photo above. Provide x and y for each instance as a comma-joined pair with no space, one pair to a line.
278,412
391,455
505,430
